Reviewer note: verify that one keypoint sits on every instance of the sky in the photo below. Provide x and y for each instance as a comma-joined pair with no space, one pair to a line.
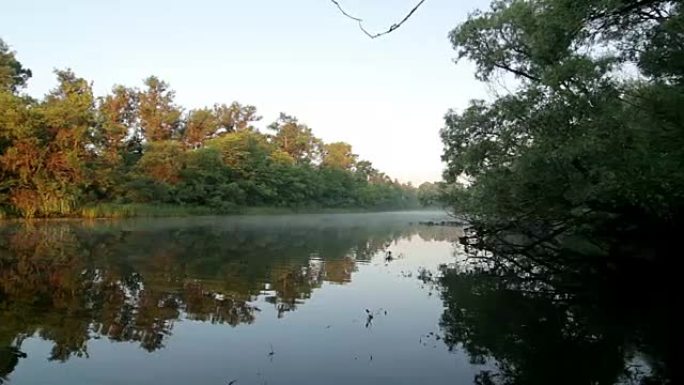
387,96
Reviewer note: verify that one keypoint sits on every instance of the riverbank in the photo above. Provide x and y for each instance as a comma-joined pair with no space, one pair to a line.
136,210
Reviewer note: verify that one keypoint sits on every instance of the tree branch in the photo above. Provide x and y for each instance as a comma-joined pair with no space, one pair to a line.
376,35
516,72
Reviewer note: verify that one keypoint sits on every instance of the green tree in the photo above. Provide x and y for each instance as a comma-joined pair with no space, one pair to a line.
162,161
13,76
365,170
247,155
580,147
206,181
429,194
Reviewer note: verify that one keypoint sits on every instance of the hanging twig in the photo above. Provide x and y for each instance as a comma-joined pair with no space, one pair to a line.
376,35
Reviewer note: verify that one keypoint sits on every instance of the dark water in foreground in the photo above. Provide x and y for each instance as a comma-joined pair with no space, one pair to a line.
307,299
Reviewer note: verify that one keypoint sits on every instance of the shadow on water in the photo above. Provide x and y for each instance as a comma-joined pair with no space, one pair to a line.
580,324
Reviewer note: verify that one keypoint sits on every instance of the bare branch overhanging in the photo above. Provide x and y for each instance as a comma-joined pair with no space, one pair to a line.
376,35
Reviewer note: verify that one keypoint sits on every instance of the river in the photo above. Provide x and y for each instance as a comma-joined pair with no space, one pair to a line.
291,299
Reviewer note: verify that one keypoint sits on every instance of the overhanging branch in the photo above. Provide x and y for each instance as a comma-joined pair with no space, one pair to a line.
389,30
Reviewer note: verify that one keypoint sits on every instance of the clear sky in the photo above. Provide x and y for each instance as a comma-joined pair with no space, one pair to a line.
386,97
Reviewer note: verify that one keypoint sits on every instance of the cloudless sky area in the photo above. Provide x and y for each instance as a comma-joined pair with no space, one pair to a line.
387,97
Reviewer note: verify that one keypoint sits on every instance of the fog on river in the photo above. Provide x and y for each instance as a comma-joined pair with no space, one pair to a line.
368,298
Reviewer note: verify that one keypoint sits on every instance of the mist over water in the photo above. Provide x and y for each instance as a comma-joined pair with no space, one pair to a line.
293,299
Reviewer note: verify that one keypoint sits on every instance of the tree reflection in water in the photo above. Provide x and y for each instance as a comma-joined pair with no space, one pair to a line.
69,283
607,328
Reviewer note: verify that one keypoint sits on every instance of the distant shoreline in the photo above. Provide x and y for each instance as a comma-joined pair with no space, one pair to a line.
126,211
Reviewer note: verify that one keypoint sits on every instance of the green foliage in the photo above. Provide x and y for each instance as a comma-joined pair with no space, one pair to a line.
429,194
162,161
205,181
72,154
129,210
13,75
580,147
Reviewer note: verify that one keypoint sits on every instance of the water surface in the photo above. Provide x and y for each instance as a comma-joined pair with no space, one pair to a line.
275,299
304,299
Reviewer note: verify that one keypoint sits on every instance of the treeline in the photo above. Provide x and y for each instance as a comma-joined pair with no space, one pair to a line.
72,150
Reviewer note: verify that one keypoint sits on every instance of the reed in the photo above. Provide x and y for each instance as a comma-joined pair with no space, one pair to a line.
115,211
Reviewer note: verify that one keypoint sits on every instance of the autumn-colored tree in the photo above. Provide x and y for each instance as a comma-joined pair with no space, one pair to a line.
50,153
117,119
70,150
235,117
15,116
338,155
200,125
159,115
117,122
295,139
17,130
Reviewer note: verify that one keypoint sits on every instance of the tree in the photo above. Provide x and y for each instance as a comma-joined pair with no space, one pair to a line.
49,148
429,194
365,170
159,116
576,149
338,155
200,125
17,126
247,155
13,76
295,139
113,138
236,117
206,181
162,161
117,117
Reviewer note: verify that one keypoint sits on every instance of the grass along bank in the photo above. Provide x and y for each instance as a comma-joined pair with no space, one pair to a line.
142,210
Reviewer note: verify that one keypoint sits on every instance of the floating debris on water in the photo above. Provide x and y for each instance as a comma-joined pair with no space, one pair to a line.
456,223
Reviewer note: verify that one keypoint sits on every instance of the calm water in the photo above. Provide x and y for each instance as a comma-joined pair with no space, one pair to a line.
307,299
